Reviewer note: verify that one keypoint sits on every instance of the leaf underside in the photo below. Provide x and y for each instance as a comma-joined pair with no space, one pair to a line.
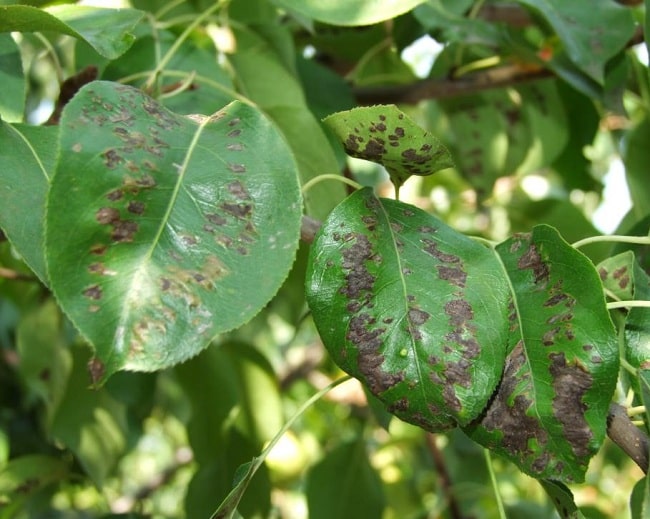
509,343
156,220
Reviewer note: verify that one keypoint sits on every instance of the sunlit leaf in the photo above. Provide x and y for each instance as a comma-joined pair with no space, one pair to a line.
386,135
349,12
27,159
404,303
166,217
424,316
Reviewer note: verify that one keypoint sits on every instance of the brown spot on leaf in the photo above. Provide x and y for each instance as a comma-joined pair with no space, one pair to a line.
556,299
357,280
509,415
115,195
622,277
124,230
97,268
570,383
459,311
431,247
533,261
237,168
107,215
455,275
135,207
96,369
239,211
98,249
215,219
93,292
111,158
238,190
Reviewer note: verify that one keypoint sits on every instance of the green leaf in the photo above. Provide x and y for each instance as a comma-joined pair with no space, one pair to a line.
27,156
344,485
640,499
14,86
349,12
45,361
617,275
165,230
549,413
562,499
25,475
590,36
635,157
106,30
281,96
386,135
424,316
90,422
405,303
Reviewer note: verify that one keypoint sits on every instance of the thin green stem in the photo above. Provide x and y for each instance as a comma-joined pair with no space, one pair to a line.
628,304
492,61
628,367
642,240
181,39
52,52
495,486
329,176
169,6
237,491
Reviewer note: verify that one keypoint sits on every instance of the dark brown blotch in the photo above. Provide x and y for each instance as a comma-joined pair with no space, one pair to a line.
237,168
532,260
459,312
124,230
240,211
111,158
93,292
455,275
570,384
238,190
135,207
431,247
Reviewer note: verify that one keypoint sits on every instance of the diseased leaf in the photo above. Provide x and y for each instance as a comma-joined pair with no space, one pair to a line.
12,79
425,316
155,222
386,135
590,36
25,475
562,499
349,12
27,156
403,303
549,413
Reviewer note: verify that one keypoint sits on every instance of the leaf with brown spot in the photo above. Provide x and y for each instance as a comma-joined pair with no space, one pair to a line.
431,343
386,135
549,413
152,237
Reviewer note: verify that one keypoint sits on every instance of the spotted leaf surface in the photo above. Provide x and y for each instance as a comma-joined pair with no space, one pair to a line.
164,230
412,308
386,135
549,413
512,343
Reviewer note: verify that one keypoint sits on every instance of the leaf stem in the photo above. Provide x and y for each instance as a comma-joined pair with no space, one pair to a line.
495,486
180,40
230,502
628,304
329,176
642,240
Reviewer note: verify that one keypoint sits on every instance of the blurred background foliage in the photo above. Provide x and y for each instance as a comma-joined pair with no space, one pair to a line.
546,112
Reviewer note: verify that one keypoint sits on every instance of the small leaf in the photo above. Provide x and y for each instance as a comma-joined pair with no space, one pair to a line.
12,79
350,12
106,30
386,135
165,230
412,308
640,499
562,499
26,163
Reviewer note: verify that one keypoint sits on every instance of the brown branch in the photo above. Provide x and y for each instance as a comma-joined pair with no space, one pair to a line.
507,75
627,436
446,482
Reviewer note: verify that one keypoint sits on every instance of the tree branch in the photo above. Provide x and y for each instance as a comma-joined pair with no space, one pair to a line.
627,436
